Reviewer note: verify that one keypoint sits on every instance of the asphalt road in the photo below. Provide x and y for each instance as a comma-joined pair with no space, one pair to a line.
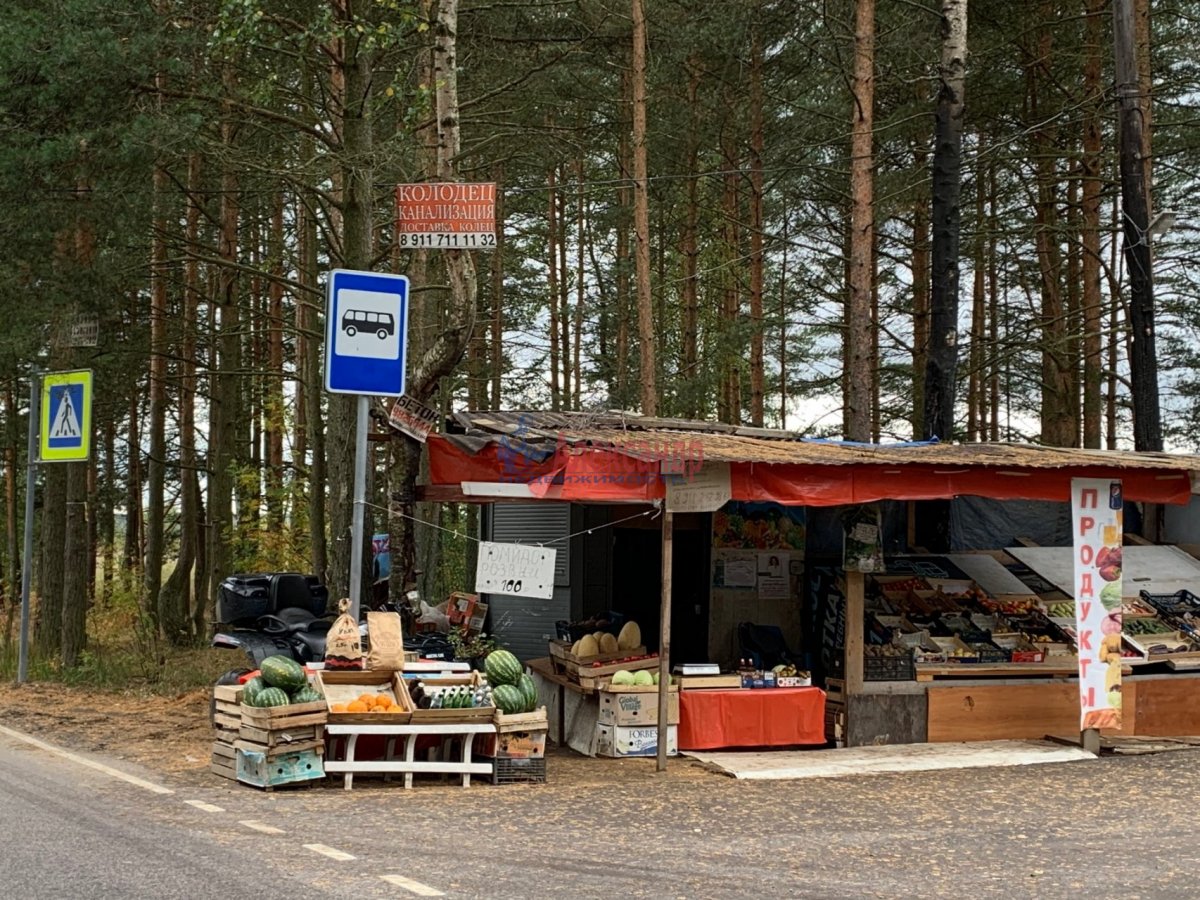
1099,829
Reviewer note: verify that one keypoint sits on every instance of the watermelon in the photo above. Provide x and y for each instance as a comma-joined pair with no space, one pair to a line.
502,668
272,696
306,694
283,672
508,699
529,691
252,689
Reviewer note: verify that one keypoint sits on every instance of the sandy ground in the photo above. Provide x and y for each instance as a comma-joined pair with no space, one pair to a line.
171,736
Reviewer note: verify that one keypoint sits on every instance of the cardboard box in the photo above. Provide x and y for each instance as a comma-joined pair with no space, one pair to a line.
619,705
618,740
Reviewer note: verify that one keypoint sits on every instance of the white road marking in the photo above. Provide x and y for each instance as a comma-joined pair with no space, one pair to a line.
421,890
84,761
340,855
207,807
260,826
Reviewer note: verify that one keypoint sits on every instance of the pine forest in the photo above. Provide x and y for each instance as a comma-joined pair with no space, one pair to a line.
875,220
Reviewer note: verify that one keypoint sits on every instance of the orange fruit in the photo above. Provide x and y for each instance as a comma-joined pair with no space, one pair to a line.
383,700
357,706
338,708
368,699
379,709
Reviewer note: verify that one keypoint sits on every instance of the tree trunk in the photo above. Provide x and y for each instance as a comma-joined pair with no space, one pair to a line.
641,217
1143,365
497,312
1090,264
976,402
689,249
857,365
552,287
318,544
73,559
357,250
108,523
133,493
178,618
577,325
273,379
156,464
47,632
564,294
757,140
12,561
942,360
920,288
447,350
625,205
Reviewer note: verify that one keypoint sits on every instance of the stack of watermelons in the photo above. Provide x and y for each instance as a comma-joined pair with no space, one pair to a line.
512,690
280,681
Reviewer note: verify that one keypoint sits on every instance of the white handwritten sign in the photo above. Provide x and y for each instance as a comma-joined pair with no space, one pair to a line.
706,489
519,569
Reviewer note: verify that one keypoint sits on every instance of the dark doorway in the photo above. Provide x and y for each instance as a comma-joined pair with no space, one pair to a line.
637,587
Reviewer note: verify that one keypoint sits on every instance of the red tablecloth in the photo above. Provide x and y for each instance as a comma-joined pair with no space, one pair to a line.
767,717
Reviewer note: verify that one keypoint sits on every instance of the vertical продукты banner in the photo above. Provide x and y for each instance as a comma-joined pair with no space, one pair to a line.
1096,519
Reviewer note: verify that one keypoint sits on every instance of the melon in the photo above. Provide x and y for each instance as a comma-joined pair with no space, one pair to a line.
623,677
283,672
252,689
502,668
630,637
271,696
643,677
529,691
654,678
587,646
575,648
306,694
508,699
598,635
608,643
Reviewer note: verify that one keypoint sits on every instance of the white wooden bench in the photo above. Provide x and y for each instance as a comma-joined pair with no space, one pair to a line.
407,766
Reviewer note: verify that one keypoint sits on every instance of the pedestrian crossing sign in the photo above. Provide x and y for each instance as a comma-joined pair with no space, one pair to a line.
66,416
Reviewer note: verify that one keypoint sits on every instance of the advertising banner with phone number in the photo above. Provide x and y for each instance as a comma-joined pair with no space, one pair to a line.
1097,524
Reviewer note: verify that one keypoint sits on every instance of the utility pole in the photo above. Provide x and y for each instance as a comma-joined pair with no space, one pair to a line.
1135,209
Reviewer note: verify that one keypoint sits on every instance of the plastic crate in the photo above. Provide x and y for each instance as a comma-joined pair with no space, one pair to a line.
990,653
889,668
517,771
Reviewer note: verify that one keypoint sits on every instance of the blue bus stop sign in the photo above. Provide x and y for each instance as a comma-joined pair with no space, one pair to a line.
366,331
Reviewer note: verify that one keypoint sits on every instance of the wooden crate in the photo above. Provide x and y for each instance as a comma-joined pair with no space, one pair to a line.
283,718
710,682
342,687
593,676
448,716
227,706
270,770
224,760
268,738
560,652
530,721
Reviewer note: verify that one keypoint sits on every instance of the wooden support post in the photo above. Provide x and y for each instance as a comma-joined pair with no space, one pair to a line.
855,604
664,639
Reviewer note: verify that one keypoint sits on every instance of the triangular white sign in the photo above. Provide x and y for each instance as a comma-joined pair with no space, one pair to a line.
66,420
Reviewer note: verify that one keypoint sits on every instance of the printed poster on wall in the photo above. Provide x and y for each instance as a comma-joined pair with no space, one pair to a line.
759,526
773,576
1096,521
734,569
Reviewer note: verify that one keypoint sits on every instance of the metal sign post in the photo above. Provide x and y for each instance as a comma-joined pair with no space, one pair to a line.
27,553
366,342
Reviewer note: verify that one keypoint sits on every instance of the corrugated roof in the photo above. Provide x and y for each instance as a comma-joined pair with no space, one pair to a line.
645,436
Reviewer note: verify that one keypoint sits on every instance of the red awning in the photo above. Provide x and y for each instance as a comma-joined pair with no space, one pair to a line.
606,474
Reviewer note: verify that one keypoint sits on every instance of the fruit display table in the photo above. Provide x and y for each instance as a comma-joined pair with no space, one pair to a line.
770,717
407,766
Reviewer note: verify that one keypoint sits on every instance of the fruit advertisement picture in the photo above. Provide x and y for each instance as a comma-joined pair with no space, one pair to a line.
759,526
1097,527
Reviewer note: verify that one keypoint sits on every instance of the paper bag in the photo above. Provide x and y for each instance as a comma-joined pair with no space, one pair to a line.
343,644
386,638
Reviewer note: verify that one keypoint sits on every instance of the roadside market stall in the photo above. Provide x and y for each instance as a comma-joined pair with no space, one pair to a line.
902,653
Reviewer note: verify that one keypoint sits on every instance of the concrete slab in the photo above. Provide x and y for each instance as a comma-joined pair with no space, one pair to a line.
856,761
